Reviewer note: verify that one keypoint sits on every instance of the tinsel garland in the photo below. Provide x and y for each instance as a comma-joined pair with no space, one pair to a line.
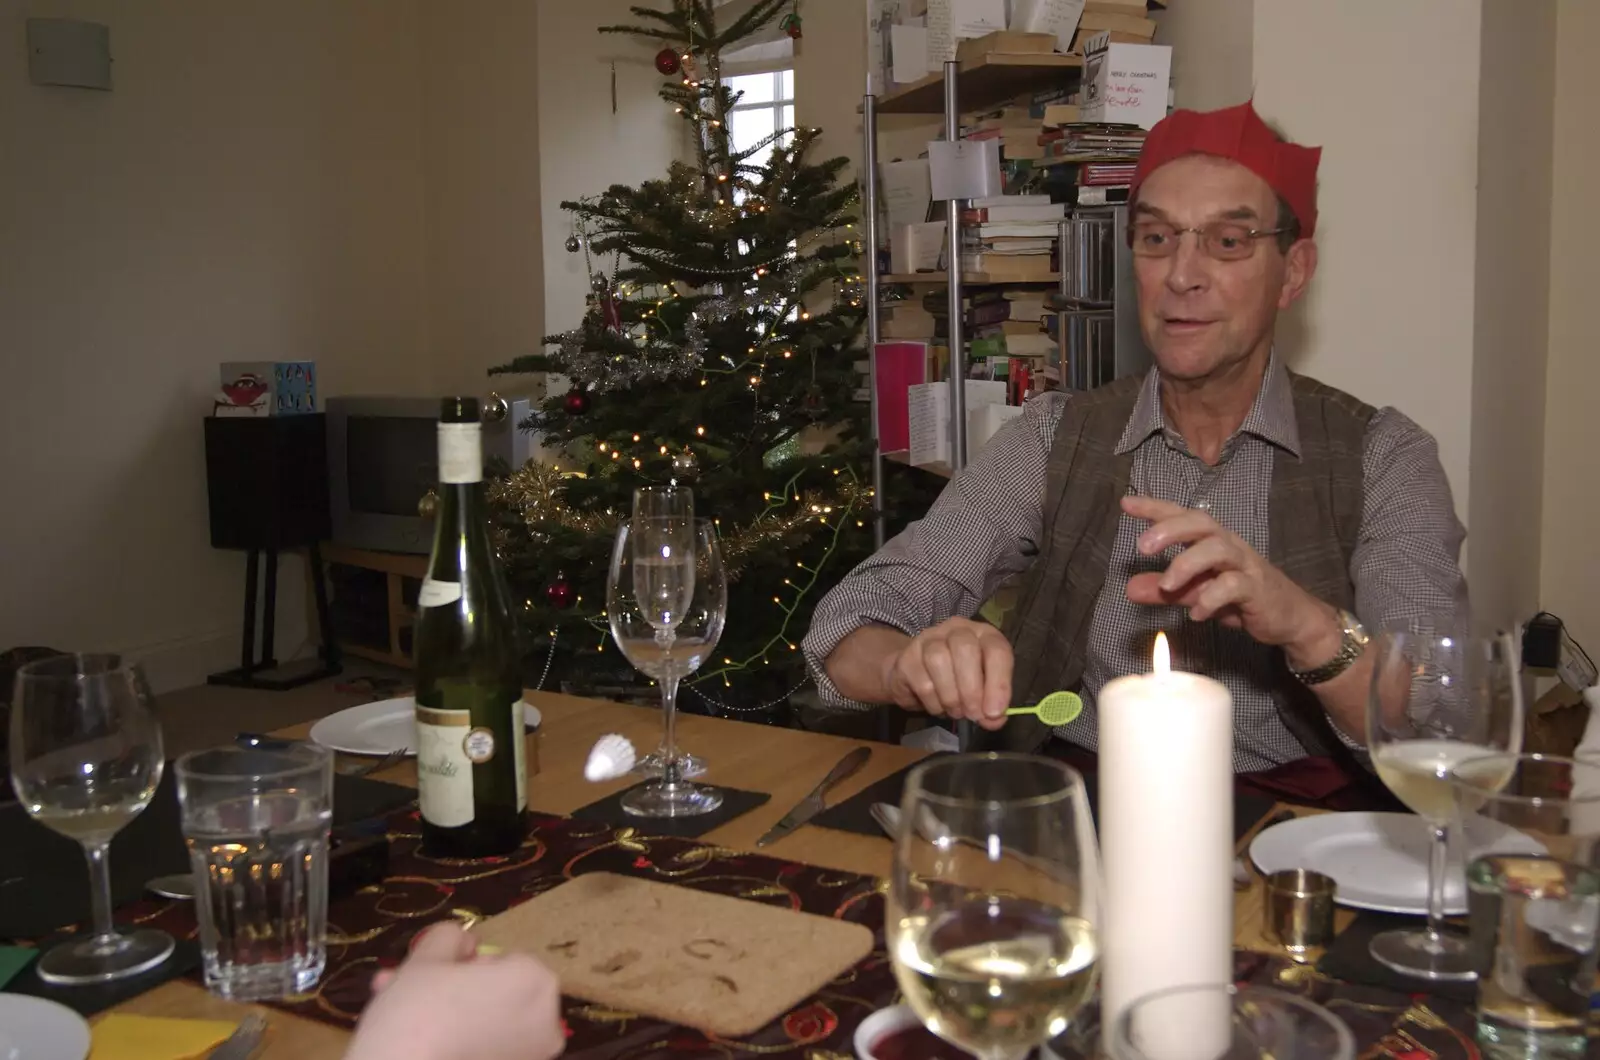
535,492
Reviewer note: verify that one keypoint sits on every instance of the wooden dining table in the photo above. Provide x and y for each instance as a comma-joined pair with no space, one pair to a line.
785,762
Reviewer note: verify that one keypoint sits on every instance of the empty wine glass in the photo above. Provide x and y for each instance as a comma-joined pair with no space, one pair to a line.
85,760
1437,700
666,502
666,613
993,905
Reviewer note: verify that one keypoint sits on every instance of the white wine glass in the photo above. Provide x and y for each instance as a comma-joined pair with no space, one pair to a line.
994,901
85,760
1437,700
666,502
636,602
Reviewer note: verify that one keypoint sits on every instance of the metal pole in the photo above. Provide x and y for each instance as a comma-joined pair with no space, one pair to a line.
869,169
958,353
965,730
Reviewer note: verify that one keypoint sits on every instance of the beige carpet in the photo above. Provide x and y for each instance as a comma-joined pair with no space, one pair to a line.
207,716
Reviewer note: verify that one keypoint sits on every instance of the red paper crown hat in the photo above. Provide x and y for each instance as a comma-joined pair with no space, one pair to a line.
1239,135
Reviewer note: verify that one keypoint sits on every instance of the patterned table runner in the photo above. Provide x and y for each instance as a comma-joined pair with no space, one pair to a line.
373,928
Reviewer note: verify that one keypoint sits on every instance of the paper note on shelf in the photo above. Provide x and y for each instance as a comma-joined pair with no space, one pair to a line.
906,190
1125,82
1059,17
984,421
928,405
964,169
908,51
950,21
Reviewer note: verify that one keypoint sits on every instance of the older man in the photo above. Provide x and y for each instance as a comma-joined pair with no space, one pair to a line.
1264,520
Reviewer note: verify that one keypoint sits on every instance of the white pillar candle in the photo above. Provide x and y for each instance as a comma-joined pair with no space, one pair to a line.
1166,842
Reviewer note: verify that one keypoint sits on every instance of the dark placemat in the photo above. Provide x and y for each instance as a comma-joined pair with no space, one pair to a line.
97,997
44,880
1349,959
854,814
735,803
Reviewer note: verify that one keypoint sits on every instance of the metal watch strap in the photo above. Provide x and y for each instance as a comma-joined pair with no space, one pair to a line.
1353,642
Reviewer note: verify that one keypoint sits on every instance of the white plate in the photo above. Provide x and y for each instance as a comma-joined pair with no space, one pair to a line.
32,1028
1378,860
380,728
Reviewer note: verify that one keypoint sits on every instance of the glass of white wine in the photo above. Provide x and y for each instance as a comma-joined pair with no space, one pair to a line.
666,600
666,502
85,760
1436,701
994,901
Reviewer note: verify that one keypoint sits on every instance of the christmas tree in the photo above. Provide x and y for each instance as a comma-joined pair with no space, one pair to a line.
719,353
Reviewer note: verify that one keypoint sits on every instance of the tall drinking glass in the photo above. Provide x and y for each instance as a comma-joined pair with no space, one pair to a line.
1437,700
1262,1024
256,823
666,502
993,905
1533,901
666,598
85,760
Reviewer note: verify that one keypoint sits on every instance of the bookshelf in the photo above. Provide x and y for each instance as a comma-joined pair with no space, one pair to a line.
976,279
984,81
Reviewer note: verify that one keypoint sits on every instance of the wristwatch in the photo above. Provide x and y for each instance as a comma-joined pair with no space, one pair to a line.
1353,643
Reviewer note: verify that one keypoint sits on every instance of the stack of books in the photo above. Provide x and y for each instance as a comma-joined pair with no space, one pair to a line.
1011,238
1092,164
1124,19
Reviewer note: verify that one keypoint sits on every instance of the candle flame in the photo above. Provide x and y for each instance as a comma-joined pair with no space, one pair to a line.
1162,657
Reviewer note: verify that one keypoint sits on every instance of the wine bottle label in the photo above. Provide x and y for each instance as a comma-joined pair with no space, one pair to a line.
460,453
479,746
437,594
444,768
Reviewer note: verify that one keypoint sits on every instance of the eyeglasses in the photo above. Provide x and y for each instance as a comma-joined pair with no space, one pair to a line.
1223,240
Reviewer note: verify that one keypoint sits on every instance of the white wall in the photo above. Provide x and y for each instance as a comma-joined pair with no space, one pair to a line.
1516,101
1434,237
584,147
1212,51
1571,506
251,189
481,134
1389,314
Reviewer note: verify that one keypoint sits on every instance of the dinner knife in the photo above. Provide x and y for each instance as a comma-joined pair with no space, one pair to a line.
244,1040
812,804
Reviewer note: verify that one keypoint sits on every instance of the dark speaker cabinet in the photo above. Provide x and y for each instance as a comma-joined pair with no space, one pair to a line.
267,490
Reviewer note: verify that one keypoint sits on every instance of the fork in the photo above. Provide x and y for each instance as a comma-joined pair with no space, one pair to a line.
244,1041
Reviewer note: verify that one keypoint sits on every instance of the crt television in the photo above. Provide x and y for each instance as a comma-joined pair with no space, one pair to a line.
383,458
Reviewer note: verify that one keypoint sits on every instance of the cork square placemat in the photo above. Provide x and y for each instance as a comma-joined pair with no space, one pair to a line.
727,966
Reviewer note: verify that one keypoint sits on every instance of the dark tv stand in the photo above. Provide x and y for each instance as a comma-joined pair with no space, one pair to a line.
265,673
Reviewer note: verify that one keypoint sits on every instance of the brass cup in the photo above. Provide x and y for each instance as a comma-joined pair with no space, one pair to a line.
1299,910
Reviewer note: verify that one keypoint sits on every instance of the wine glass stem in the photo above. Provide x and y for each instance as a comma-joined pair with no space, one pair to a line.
100,888
1437,855
671,769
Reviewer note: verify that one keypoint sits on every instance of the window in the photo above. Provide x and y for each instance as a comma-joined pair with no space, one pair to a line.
766,107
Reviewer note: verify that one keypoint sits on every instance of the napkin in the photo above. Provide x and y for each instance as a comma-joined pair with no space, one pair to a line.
12,960
124,1037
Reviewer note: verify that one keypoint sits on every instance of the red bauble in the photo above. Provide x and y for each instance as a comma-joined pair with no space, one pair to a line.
667,62
560,593
795,31
577,403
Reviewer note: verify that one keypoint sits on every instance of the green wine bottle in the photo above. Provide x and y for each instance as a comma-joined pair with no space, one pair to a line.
472,781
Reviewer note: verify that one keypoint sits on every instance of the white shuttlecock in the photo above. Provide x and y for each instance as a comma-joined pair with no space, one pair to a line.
613,756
